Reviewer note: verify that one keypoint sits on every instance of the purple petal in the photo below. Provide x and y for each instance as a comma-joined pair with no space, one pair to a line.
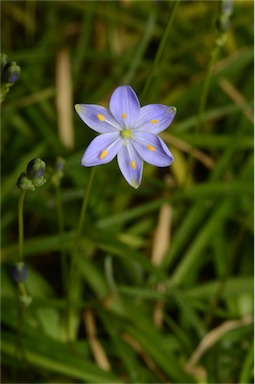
152,149
155,118
97,118
102,149
125,106
130,164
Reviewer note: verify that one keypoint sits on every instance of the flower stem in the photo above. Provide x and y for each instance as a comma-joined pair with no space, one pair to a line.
63,258
20,306
83,210
74,274
158,57
202,104
206,87
21,224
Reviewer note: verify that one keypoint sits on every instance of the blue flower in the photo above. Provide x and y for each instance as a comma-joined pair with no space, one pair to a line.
128,131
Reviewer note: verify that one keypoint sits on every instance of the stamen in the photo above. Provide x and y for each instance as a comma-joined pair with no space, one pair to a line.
123,115
100,117
133,165
150,148
103,154
154,121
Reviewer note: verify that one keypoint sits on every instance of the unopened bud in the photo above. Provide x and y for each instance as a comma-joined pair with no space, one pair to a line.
25,183
57,172
60,164
227,7
10,73
39,181
223,21
36,168
19,272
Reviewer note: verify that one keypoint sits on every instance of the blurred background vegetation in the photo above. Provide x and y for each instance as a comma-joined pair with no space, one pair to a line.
165,271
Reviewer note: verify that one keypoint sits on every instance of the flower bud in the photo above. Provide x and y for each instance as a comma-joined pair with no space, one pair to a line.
36,168
60,164
39,181
227,7
19,272
10,73
25,183
57,172
223,21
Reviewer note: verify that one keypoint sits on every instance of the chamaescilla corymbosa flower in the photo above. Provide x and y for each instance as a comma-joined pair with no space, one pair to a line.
128,131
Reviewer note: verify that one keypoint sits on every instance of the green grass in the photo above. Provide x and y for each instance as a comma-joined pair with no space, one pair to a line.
131,319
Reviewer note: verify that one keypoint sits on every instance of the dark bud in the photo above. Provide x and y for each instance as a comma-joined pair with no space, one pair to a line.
19,272
227,7
223,21
60,164
58,171
10,73
36,168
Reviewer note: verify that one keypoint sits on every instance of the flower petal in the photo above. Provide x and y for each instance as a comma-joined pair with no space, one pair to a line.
97,118
130,164
102,149
152,149
155,118
125,106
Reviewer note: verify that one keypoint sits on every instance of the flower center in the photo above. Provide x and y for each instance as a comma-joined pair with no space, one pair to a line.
126,133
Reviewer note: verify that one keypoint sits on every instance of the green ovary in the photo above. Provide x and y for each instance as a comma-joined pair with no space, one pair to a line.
126,133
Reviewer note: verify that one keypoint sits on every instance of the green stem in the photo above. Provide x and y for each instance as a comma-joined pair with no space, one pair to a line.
83,212
21,224
202,103
247,368
223,280
20,307
154,69
206,87
63,258
74,275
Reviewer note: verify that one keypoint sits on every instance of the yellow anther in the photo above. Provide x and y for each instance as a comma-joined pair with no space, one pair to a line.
123,115
103,154
132,163
100,117
154,121
150,147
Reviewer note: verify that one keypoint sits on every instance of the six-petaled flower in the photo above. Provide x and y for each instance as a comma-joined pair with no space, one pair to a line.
128,131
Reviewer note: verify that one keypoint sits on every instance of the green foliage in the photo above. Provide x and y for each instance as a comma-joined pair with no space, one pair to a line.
165,273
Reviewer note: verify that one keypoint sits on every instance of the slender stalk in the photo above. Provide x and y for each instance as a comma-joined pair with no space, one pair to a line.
223,280
74,275
202,102
20,307
21,223
247,368
158,57
63,258
205,91
83,213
